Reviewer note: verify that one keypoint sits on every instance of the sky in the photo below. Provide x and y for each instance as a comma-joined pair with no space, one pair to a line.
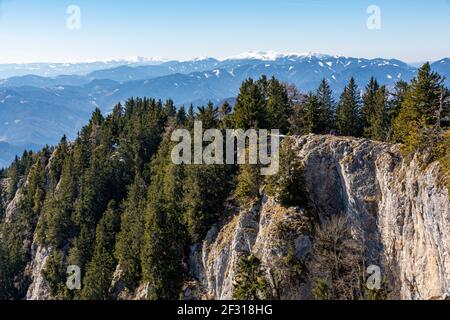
410,30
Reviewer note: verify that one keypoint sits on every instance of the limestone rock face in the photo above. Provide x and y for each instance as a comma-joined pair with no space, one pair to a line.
401,207
257,231
3,192
38,290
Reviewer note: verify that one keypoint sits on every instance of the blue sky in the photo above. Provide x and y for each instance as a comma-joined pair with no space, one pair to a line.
36,30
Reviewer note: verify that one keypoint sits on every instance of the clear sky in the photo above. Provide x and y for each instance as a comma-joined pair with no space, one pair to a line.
412,30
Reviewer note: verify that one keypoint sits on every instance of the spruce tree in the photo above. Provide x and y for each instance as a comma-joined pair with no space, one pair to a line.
377,121
278,109
250,109
164,243
326,109
225,115
298,120
311,105
418,125
395,104
248,184
208,115
288,186
190,117
250,282
99,271
203,205
348,115
130,237
55,225
368,106
181,116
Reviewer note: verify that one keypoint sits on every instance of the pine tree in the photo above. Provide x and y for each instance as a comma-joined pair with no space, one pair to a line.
298,120
368,105
225,115
208,116
418,124
312,114
17,234
204,205
248,184
278,109
165,236
250,282
288,185
326,108
100,269
250,109
169,108
348,118
377,121
55,226
395,104
190,117
225,110
129,240
181,116
92,203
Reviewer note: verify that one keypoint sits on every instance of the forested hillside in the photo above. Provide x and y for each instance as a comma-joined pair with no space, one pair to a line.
113,199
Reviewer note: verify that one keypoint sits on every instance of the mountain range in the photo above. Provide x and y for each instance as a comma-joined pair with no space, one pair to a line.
40,102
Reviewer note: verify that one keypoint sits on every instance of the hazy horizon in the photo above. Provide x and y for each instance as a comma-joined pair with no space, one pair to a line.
159,59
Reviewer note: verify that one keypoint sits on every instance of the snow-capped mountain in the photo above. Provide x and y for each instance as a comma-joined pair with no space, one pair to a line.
36,110
70,68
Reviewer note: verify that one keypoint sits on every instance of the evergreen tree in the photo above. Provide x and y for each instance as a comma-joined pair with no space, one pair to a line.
204,205
250,109
248,184
17,235
100,269
250,282
129,240
55,274
94,197
377,120
313,124
181,116
348,116
395,104
418,124
169,108
368,105
208,116
165,236
225,115
278,109
225,110
326,109
289,186
298,120
190,117
55,226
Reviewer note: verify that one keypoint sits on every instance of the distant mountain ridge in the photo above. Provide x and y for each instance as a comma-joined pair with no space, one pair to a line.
36,109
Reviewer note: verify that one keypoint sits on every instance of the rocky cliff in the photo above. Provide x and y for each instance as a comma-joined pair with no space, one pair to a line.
401,207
